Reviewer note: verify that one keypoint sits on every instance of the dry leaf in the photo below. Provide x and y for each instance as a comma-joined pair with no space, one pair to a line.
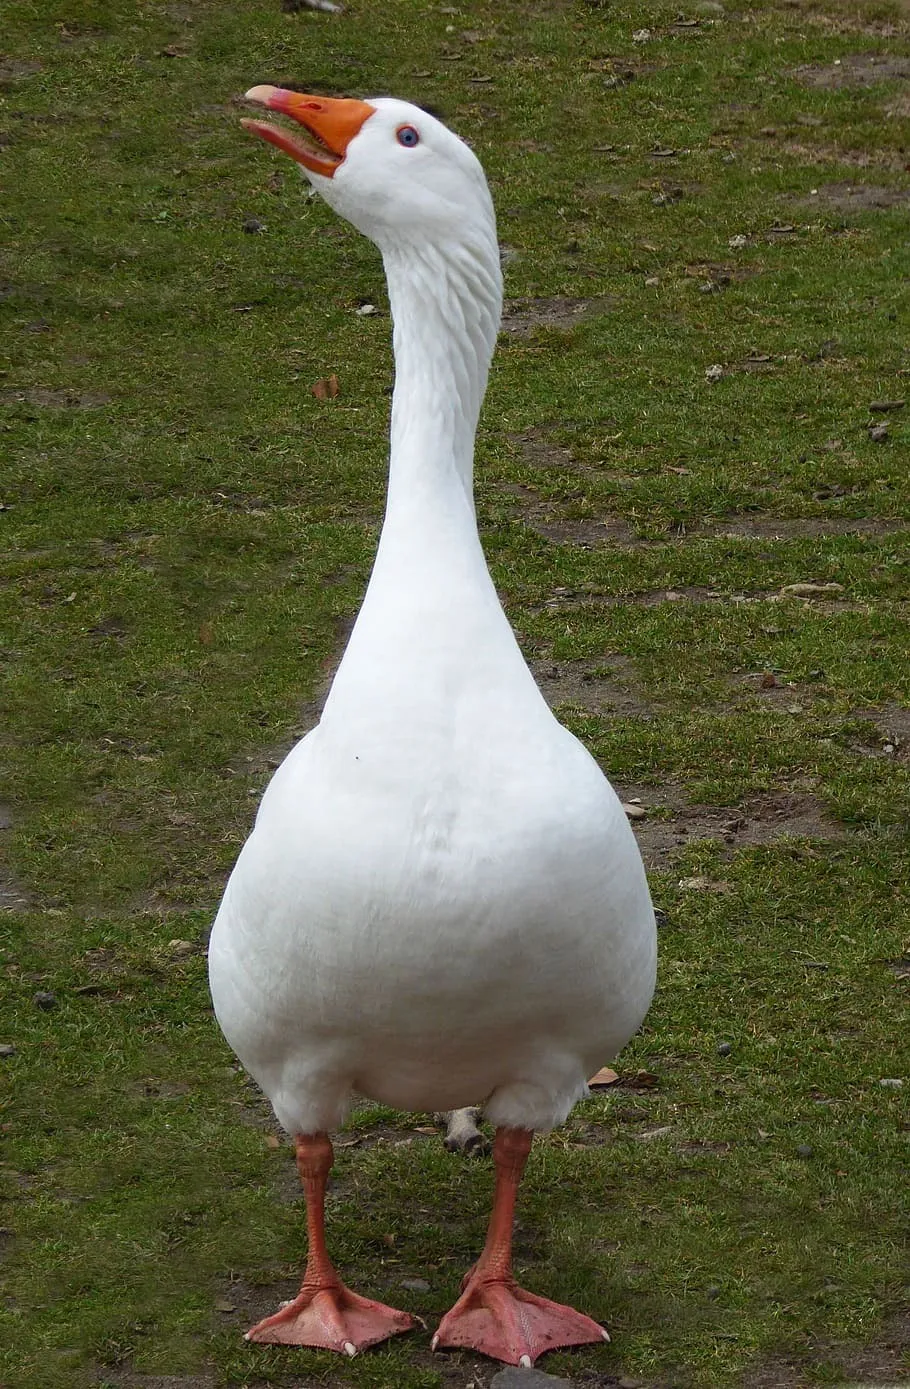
635,812
649,1134
810,590
326,389
426,1128
603,1078
272,1141
645,1080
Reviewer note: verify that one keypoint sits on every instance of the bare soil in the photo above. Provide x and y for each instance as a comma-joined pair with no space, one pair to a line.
757,820
602,688
521,317
860,197
854,70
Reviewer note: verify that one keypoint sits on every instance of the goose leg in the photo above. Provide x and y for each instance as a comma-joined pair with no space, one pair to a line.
494,1315
325,1313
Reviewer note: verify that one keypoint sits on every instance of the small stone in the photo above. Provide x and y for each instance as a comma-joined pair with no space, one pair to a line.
367,310
223,1306
7,1049
805,1150
714,372
641,36
724,1048
891,1083
415,1285
180,947
45,1001
634,812
736,243
879,433
652,281
252,226
713,1293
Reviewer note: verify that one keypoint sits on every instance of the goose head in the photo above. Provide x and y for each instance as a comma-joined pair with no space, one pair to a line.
392,170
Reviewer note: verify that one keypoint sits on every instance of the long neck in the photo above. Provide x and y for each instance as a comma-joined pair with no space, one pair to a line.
446,306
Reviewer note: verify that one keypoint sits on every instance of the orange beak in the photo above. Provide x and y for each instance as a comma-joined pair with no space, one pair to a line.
331,123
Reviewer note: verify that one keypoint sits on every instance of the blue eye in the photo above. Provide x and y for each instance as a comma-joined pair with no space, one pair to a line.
408,136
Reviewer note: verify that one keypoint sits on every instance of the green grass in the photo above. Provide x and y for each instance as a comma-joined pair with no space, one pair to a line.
187,530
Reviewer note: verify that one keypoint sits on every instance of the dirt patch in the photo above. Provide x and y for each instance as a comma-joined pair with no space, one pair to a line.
892,723
135,1381
538,451
763,819
832,154
13,898
602,688
859,197
521,317
54,400
585,532
881,1362
799,528
854,70
14,70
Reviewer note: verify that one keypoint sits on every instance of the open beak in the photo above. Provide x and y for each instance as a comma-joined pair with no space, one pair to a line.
329,124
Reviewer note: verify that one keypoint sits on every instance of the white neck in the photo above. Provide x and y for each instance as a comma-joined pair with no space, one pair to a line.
446,305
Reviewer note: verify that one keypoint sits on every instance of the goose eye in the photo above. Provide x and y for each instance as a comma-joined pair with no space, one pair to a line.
408,136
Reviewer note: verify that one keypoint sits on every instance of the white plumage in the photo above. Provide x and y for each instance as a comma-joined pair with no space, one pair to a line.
441,902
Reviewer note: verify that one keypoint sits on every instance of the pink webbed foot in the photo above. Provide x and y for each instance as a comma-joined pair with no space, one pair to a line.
504,1321
331,1318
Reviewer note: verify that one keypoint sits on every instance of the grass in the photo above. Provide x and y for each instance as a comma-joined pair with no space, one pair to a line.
187,530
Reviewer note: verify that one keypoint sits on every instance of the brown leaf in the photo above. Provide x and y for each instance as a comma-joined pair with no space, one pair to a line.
811,590
645,1080
603,1078
272,1141
426,1128
326,389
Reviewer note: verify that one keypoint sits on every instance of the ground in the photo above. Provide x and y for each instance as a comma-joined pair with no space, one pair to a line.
693,492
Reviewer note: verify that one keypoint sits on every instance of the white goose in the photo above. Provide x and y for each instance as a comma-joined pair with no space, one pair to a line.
441,900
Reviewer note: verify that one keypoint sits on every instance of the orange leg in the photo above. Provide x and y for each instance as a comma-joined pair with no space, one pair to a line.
325,1313
494,1315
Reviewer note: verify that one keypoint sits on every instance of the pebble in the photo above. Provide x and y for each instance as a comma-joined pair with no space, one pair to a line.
878,433
736,243
634,812
891,1083
415,1285
713,1293
641,36
366,310
805,1150
7,1049
45,1001
252,225
714,372
724,1048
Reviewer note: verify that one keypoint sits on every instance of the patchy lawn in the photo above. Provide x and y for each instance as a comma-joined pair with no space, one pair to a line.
693,489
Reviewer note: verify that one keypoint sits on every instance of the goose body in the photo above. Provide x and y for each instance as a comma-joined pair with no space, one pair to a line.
441,901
